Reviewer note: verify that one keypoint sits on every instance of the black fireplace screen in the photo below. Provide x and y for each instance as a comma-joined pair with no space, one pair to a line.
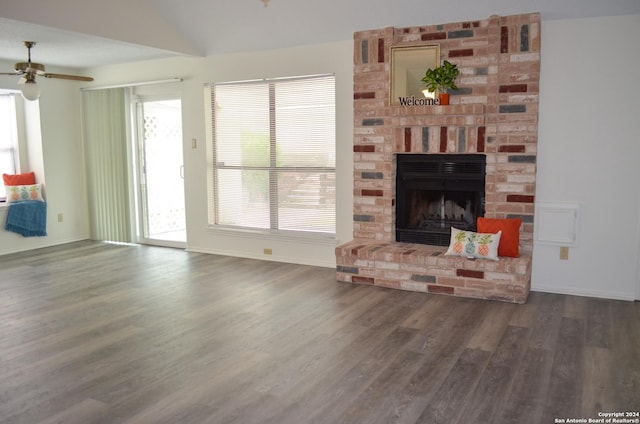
435,192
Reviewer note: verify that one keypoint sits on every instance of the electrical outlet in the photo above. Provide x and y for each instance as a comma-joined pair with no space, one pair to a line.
267,251
60,217
564,253
194,143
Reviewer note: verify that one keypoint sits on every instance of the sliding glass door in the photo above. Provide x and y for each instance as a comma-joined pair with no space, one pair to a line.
160,173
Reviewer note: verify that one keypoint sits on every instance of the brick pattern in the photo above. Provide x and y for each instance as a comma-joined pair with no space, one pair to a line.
494,112
423,268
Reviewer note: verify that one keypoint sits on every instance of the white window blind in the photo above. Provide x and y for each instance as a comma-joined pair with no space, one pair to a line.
274,154
8,138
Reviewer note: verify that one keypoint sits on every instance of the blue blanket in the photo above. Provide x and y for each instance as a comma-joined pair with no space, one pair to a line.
28,218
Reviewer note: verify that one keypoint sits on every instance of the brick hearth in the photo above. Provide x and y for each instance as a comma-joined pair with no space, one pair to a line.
494,112
424,268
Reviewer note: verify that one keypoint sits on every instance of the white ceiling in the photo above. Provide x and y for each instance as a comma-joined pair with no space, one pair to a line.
68,49
88,33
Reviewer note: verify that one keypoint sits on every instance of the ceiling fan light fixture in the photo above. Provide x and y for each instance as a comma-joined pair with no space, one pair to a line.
30,90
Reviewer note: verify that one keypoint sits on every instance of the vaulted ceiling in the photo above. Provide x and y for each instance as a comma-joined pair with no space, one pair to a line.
87,33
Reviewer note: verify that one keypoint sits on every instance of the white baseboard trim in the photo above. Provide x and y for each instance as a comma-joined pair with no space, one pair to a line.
47,243
273,258
602,294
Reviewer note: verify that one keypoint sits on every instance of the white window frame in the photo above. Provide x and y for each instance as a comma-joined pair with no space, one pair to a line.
18,149
213,166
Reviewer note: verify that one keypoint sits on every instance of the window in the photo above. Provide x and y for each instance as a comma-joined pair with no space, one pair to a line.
9,163
273,155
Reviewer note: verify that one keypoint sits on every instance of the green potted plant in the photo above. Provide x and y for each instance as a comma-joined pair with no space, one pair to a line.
439,80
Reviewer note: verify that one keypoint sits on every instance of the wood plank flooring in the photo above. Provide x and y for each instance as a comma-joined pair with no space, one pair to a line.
101,333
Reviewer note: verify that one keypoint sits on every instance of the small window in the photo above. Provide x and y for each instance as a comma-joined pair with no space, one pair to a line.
273,155
9,163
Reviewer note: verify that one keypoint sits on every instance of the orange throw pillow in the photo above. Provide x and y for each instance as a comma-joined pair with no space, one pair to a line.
510,239
28,178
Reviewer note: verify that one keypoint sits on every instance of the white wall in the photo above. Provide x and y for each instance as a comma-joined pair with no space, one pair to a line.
336,58
58,162
589,148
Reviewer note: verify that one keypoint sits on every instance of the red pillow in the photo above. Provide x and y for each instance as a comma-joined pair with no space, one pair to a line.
510,238
27,178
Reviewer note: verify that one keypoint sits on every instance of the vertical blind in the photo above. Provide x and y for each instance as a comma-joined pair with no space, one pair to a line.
105,129
273,164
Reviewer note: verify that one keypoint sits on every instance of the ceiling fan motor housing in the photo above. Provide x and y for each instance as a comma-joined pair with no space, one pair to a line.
28,67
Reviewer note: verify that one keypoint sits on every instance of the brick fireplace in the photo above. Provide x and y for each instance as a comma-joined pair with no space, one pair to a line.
494,112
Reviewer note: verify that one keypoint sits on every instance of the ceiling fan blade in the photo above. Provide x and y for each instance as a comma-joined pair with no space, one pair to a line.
68,77
10,73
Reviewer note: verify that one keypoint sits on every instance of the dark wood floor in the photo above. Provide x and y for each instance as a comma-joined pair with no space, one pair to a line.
100,333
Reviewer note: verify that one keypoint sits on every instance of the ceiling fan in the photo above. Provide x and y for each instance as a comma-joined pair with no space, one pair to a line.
29,70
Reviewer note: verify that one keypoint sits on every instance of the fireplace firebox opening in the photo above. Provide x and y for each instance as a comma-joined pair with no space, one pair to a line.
435,192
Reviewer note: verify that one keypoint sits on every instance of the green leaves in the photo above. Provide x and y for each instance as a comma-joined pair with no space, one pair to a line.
441,78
